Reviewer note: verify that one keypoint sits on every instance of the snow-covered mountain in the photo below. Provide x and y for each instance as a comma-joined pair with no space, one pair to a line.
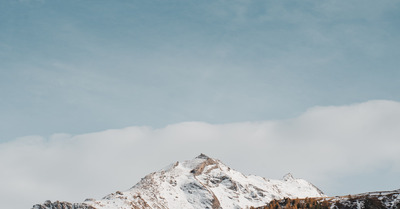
200,183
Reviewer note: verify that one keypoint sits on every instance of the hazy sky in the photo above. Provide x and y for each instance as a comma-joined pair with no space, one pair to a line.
79,67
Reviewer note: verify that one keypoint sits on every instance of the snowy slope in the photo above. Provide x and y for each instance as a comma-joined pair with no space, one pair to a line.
198,184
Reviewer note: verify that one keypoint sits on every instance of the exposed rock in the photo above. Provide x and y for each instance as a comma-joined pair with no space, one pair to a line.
197,184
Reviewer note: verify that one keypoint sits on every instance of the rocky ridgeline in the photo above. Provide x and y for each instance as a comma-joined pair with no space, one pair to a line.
199,183
370,200
62,205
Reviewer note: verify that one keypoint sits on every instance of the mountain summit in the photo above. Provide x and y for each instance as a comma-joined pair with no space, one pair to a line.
200,183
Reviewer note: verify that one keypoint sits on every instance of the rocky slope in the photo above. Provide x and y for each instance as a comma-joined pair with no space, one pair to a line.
370,200
199,183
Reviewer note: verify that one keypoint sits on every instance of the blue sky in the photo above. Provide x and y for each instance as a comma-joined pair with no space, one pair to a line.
82,66
79,67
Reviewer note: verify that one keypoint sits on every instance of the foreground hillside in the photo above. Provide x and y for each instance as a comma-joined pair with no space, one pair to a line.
201,183
371,200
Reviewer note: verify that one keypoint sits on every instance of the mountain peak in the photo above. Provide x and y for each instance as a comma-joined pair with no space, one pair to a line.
288,177
200,183
202,166
202,156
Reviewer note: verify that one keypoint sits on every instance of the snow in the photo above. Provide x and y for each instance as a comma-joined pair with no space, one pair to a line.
202,183
389,199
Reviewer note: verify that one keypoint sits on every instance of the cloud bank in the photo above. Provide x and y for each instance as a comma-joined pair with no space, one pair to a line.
341,149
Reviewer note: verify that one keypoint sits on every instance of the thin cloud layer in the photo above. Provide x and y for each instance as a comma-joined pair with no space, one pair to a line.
341,149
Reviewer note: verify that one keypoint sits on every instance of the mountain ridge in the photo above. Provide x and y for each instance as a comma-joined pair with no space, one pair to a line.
367,200
202,182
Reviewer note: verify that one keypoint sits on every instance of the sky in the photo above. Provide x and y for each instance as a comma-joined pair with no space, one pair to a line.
86,83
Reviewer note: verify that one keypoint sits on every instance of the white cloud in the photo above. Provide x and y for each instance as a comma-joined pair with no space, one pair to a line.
323,145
